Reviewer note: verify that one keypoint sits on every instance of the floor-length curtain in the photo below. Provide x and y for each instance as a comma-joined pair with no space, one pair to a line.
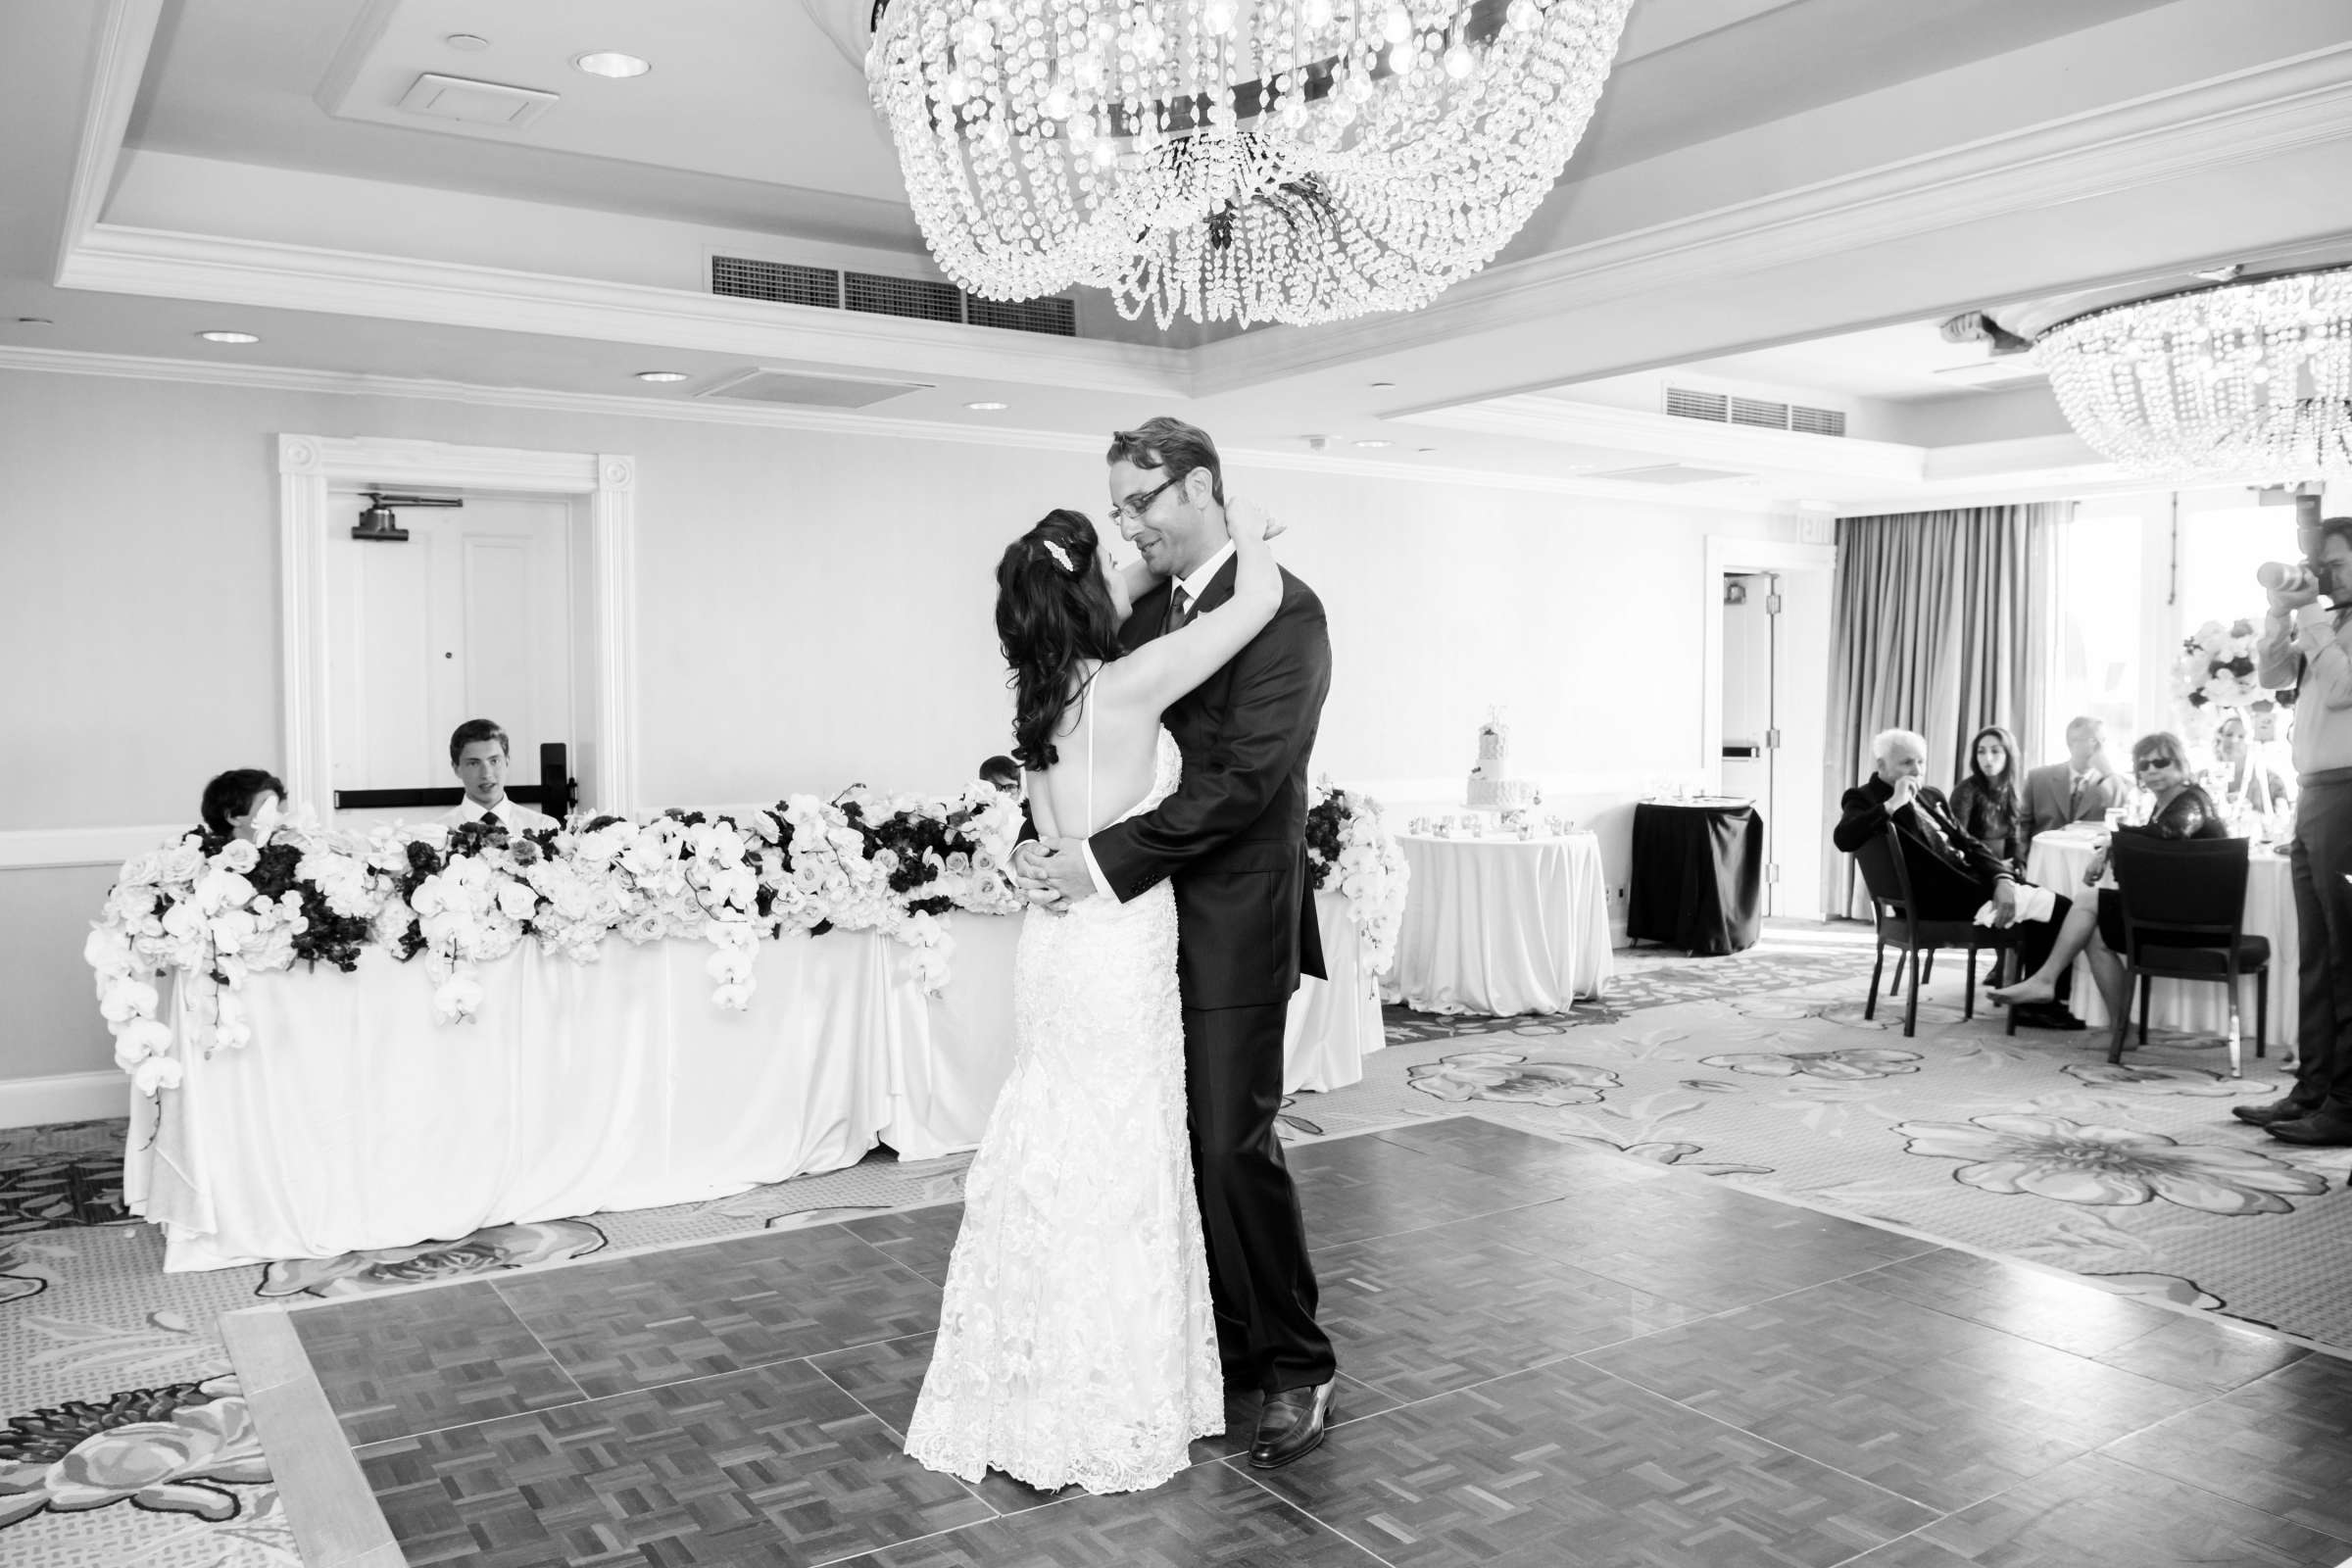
1941,627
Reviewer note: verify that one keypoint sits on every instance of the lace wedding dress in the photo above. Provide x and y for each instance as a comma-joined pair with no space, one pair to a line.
1076,1341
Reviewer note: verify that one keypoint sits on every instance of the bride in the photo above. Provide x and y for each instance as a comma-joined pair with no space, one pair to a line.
1076,1339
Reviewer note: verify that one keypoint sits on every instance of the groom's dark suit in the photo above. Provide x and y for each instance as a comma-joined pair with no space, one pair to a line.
1234,839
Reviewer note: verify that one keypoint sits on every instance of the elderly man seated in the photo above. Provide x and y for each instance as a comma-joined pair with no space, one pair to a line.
1952,876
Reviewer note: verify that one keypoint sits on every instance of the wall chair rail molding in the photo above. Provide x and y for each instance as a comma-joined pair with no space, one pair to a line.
311,466
48,847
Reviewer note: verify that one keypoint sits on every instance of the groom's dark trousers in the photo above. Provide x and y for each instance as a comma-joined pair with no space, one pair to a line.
1234,839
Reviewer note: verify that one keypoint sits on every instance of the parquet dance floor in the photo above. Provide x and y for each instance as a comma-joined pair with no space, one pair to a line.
1550,1355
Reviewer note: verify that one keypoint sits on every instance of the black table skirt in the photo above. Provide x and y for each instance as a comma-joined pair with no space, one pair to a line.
1698,877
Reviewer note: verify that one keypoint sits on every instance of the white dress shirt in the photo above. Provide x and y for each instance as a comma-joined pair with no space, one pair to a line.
516,816
1192,586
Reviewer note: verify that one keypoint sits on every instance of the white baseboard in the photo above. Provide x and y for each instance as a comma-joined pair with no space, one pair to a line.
65,1097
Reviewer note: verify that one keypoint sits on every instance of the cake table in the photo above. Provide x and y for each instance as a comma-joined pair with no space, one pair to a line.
1501,925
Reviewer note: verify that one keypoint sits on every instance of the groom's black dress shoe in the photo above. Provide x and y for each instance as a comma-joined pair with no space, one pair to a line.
2277,1110
2323,1128
1291,1425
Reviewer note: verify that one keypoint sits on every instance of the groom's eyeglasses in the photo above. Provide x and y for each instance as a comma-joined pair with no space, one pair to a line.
1135,505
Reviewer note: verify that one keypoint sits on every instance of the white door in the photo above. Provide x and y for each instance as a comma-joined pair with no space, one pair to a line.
470,617
1750,738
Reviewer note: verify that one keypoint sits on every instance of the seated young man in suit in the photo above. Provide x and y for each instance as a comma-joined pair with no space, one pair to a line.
479,754
2080,789
1952,876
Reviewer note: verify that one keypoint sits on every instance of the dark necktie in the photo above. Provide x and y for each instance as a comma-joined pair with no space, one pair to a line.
490,819
1180,608
2074,796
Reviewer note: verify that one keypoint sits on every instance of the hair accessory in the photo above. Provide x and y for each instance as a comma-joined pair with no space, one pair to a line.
1061,558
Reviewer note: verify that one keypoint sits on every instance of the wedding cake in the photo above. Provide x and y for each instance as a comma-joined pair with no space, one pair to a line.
1491,784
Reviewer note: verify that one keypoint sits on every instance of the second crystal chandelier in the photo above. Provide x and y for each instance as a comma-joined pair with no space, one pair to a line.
1292,161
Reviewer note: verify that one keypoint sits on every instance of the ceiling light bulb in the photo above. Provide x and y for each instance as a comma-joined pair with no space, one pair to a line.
661,375
474,43
228,337
610,63
984,407
1371,444
1459,63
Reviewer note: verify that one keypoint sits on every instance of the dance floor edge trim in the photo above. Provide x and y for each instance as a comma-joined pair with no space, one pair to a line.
337,1521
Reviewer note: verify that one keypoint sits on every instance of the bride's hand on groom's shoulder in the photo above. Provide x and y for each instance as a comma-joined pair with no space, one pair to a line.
1245,519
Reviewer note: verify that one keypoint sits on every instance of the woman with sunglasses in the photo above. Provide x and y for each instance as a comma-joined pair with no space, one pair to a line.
2182,811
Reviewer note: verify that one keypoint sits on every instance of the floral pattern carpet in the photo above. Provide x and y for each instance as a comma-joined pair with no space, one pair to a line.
125,1441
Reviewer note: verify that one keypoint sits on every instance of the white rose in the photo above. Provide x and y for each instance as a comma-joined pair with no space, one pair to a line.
517,901
238,855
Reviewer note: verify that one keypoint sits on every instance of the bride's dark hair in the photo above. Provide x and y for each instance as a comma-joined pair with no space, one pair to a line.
1053,612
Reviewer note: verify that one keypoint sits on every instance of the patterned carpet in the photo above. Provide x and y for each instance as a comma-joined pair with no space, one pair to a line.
124,1439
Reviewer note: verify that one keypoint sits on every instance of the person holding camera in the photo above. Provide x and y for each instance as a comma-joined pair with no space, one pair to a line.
2308,646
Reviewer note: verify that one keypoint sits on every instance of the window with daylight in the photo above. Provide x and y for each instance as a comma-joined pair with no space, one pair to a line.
2096,667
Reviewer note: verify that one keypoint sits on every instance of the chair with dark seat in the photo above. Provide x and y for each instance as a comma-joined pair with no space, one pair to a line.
2185,918
1889,882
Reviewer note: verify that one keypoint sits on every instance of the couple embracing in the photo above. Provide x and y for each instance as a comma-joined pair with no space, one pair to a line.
1112,1277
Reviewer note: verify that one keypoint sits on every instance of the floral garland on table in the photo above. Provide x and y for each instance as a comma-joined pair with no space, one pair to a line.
215,913
1346,839
2216,667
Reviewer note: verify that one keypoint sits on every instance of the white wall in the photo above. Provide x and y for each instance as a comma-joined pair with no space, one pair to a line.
813,609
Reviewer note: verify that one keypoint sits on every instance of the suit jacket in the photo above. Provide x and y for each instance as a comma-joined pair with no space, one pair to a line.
2045,800
1234,834
1951,875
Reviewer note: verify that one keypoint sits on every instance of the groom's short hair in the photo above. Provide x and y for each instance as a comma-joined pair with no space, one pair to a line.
1169,443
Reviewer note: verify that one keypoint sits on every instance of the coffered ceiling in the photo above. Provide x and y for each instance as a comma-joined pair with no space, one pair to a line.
1778,194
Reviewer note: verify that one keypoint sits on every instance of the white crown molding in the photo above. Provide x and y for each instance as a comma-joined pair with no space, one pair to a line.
125,32
46,847
1695,441
831,422
63,1098
2225,120
165,265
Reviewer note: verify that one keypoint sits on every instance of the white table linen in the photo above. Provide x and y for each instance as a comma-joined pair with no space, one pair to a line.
1502,926
353,1121
2058,860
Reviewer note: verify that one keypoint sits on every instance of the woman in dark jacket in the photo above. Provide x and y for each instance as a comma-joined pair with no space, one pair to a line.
1985,802
2182,811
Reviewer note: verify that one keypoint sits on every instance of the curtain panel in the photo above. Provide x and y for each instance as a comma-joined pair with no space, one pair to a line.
1942,625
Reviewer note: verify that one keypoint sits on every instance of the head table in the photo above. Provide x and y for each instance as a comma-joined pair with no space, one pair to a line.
1502,926
353,1121
2057,862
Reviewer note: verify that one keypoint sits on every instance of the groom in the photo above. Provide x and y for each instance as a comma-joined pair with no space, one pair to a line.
1234,839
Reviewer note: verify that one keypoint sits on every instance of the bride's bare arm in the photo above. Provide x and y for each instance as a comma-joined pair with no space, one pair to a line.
1166,668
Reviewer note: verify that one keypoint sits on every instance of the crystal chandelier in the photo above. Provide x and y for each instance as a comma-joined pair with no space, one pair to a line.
1257,160
2247,382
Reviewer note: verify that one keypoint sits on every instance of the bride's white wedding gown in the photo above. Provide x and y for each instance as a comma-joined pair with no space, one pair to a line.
1076,1341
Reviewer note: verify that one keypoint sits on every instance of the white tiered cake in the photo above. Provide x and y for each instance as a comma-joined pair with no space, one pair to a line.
1490,787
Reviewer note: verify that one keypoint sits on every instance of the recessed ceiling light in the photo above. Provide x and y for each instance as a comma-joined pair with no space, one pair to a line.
34,320
661,375
1384,383
1373,443
1424,449
984,408
228,337
610,63
474,43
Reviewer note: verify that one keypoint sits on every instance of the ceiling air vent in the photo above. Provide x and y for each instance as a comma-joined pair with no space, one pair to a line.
1058,317
1684,404
803,390
475,103
779,281
1717,407
924,300
901,296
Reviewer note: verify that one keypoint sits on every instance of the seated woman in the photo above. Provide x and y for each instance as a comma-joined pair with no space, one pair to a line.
243,803
2244,778
2183,811
1985,802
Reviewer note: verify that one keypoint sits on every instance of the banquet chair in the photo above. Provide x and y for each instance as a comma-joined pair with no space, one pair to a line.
2185,917
1889,882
